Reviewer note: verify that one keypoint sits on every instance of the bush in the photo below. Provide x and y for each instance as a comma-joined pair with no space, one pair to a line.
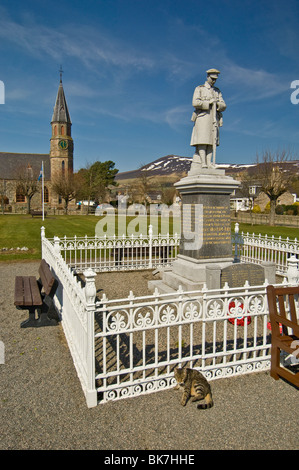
256,209
267,208
292,209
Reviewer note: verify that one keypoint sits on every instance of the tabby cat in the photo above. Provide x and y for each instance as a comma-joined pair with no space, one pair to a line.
194,384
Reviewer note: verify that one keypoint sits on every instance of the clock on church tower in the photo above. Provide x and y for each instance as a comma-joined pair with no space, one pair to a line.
63,144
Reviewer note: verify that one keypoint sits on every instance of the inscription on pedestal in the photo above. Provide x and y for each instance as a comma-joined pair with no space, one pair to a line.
206,226
237,274
215,227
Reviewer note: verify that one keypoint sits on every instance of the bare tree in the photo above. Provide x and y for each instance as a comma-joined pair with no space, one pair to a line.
66,186
248,189
3,195
274,176
27,184
167,194
144,184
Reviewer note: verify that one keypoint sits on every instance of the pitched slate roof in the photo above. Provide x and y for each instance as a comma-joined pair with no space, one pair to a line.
12,163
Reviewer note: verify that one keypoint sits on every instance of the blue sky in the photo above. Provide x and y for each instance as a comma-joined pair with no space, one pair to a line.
130,69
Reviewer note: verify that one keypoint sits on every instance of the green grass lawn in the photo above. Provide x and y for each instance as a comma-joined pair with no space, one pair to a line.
283,232
24,231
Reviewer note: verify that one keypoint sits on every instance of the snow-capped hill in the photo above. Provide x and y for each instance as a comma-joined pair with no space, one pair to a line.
169,164
166,165
178,165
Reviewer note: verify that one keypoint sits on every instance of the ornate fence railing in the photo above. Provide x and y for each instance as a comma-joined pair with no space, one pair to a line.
139,341
118,253
258,248
148,251
127,347
75,304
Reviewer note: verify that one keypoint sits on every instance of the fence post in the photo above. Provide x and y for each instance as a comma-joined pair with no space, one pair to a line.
42,236
237,240
292,271
150,246
90,296
56,244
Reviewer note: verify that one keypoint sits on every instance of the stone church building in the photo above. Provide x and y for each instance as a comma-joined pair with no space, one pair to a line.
16,168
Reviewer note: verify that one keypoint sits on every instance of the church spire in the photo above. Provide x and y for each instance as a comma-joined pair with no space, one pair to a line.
61,72
61,112
61,142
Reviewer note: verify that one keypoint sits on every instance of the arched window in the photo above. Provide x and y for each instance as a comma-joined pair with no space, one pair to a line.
55,130
62,167
46,194
62,130
19,195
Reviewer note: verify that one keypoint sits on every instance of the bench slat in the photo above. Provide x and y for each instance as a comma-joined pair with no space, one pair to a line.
19,291
27,293
35,292
46,276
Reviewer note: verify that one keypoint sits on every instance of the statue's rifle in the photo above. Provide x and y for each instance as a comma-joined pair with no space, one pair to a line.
214,111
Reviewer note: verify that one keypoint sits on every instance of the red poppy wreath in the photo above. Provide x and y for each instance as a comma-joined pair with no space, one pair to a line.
240,320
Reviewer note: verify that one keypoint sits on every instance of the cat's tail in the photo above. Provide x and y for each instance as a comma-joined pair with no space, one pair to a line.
209,403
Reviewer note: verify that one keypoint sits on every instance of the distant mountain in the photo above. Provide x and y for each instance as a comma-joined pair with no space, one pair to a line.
170,165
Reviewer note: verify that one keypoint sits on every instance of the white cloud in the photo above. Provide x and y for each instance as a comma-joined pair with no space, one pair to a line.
176,117
252,85
89,46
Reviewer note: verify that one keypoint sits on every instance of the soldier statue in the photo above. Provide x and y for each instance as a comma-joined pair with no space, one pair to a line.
207,117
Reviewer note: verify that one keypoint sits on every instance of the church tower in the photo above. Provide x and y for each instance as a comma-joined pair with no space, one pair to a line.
61,142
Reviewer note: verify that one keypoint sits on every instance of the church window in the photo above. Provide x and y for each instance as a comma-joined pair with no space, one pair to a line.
4,200
63,167
20,196
62,130
46,194
55,130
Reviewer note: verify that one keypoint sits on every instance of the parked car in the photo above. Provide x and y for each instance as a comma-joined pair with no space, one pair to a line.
85,203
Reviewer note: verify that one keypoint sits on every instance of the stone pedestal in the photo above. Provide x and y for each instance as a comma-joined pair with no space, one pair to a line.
205,247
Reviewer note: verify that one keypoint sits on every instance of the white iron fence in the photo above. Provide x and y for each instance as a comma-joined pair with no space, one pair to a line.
140,340
127,347
118,253
149,252
257,249
75,305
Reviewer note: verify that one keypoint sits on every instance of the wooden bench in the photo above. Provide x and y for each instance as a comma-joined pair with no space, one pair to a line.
36,296
283,312
36,213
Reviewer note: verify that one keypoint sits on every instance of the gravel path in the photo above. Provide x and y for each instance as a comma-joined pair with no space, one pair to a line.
43,407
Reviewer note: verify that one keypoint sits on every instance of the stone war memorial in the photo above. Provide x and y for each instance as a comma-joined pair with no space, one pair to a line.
205,254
